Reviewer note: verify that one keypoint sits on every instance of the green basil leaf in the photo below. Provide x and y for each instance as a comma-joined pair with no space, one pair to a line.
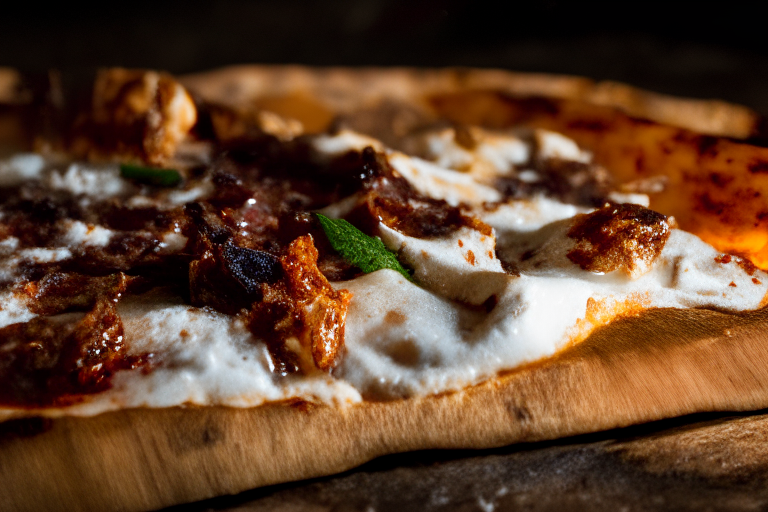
365,252
151,175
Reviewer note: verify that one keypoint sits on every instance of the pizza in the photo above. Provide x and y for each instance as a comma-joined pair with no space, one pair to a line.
259,275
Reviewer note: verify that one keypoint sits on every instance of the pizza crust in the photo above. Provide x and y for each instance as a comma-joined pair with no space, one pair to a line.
332,91
661,364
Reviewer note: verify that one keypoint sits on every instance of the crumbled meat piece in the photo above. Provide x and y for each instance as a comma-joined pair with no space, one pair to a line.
59,292
228,278
746,265
624,237
390,198
228,124
55,361
32,216
125,252
136,114
569,181
723,259
206,223
302,317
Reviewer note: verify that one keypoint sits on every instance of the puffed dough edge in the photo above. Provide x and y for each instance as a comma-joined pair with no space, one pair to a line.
346,90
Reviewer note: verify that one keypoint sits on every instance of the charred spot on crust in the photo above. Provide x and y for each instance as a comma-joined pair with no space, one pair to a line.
590,125
707,203
624,237
719,179
758,167
707,144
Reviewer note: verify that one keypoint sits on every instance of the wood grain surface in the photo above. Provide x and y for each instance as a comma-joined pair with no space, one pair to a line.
701,462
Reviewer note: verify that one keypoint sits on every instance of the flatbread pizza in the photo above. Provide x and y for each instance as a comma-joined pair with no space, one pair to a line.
264,274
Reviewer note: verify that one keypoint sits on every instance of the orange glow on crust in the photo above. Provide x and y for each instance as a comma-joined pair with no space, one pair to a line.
602,312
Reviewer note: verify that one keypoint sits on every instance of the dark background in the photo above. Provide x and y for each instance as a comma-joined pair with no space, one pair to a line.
697,49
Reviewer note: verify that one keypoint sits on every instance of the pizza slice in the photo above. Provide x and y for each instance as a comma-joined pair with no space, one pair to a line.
209,287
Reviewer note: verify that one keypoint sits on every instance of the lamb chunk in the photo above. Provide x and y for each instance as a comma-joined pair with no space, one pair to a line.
623,237
136,114
59,292
389,198
56,360
566,180
229,278
230,124
301,317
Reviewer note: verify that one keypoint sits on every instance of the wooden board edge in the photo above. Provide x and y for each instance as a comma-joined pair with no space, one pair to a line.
661,364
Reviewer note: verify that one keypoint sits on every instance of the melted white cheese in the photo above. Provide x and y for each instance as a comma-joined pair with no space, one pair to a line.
80,233
434,181
207,357
13,309
406,340
20,168
343,142
554,145
492,154
86,179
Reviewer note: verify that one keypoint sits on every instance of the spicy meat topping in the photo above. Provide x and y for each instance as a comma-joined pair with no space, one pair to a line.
54,360
623,237
301,316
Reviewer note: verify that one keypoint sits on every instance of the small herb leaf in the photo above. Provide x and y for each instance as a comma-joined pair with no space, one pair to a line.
151,175
365,252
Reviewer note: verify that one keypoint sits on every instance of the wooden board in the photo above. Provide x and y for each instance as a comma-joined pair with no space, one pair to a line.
702,462
661,364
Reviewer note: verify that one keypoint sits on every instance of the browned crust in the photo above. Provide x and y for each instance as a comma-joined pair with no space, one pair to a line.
342,90
664,363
